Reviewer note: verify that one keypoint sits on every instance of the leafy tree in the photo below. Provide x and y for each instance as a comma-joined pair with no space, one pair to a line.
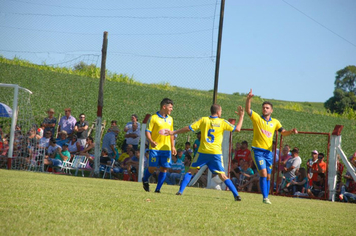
345,91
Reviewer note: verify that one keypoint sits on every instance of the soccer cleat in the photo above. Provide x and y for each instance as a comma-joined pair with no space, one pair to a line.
178,193
157,191
146,186
266,201
238,198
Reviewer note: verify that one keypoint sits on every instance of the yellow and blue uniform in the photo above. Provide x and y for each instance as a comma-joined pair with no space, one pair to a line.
210,152
263,131
161,154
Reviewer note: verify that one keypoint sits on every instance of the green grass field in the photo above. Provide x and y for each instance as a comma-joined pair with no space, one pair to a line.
48,204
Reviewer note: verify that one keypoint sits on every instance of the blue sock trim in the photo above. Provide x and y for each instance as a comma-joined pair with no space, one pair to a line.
185,182
232,187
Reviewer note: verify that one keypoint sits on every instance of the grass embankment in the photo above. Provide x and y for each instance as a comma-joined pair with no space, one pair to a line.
40,204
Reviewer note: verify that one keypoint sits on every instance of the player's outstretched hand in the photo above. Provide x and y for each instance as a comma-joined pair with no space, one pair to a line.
294,131
250,94
174,151
240,111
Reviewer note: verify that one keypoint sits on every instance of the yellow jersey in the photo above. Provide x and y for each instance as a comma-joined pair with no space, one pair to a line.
157,126
212,129
263,131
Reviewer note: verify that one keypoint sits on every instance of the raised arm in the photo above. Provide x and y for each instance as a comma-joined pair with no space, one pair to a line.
248,102
240,113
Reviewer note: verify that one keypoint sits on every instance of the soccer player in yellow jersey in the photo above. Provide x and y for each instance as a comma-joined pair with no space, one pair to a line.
210,152
263,130
161,146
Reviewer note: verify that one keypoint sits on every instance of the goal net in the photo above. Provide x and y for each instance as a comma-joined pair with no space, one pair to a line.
20,136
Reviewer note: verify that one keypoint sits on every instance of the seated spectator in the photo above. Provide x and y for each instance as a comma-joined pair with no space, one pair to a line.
134,119
292,165
244,153
44,141
61,154
187,162
253,184
109,141
246,172
235,172
88,150
132,136
125,153
310,164
196,144
62,138
81,129
318,167
284,158
234,152
175,172
300,184
187,149
348,191
74,145
318,187
180,156
67,122
52,147
49,122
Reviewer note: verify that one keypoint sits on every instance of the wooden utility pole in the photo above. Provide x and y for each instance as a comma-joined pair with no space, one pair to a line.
100,104
217,65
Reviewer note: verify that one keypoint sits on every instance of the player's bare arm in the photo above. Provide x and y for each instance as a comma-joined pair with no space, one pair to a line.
240,112
174,151
179,131
149,138
248,102
289,132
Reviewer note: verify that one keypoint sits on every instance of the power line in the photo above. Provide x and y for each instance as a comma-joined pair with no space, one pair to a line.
122,17
127,34
113,9
320,23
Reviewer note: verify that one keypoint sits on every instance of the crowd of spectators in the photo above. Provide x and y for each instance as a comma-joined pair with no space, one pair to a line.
72,139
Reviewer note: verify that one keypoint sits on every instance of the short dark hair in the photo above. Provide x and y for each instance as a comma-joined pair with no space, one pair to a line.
166,101
234,161
135,116
114,122
215,108
268,103
91,138
81,114
321,154
244,142
187,143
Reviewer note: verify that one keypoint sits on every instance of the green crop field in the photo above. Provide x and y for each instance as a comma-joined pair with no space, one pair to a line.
121,99
47,204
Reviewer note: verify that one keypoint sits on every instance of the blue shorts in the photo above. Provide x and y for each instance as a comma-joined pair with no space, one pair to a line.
213,161
55,162
263,159
159,158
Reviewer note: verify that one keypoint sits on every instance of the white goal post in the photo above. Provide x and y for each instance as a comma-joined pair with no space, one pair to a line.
13,117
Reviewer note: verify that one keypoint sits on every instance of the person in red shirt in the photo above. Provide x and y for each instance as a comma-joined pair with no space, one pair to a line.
244,154
237,147
318,167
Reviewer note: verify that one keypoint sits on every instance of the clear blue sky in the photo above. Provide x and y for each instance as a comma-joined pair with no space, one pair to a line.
282,49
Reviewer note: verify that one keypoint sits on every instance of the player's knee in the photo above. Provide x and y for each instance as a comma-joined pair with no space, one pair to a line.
222,176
